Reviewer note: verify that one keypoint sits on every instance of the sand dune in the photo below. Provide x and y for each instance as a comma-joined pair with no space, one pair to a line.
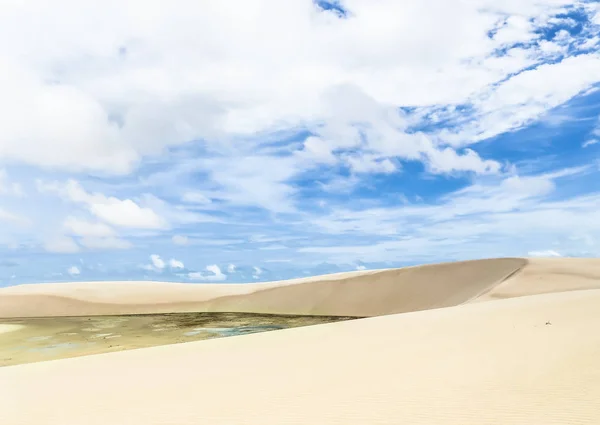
546,275
368,293
483,363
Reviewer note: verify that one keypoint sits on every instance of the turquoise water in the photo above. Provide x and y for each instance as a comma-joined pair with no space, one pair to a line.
238,330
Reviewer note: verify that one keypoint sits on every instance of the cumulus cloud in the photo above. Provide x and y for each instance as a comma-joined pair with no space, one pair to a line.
117,212
214,274
74,271
157,264
257,272
313,105
176,264
231,268
128,101
82,227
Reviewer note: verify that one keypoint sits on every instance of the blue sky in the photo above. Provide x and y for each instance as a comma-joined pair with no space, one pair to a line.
200,142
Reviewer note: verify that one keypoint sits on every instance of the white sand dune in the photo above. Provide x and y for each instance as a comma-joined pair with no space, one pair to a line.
547,275
482,363
367,293
528,360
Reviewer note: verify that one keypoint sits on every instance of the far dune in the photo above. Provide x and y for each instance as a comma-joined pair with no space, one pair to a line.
546,275
359,294
367,293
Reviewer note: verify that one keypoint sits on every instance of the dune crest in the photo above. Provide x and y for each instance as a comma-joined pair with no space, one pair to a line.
547,275
366,293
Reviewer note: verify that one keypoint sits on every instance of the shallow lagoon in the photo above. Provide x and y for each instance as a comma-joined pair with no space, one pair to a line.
51,338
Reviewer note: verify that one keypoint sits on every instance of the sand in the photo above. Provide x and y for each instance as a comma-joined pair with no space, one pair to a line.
483,363
9,328
547,275
518,345
366,293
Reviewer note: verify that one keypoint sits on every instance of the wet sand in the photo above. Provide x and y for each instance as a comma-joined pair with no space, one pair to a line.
29,340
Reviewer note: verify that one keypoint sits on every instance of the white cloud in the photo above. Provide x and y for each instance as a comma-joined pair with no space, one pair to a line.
447,161
97,98
105,243
195,198
151,78
157,262
317,150
80,227
12,217
74,271
596,17
486,219
176,264
9,188
231,268
526,97
114,211
126,213
594,136
180,240
370,164
546,253
215,274
61,244
257,272
94,235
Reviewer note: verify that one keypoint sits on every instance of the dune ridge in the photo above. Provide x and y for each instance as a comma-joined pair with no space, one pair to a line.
366,293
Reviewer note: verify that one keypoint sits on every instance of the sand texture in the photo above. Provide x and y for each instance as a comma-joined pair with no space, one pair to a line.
529,360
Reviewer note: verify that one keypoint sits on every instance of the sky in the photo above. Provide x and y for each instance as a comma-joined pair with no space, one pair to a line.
256,140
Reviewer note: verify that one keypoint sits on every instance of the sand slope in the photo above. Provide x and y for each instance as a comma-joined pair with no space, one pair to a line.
483,363
546,275
367,293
